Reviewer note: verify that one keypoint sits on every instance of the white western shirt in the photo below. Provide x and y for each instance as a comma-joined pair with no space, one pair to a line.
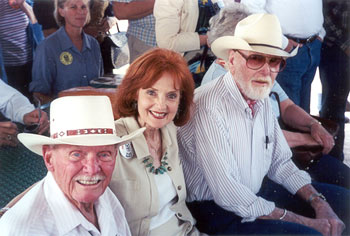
13,104
45,210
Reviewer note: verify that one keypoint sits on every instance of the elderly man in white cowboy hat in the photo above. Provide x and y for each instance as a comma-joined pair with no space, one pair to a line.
73,199
233,141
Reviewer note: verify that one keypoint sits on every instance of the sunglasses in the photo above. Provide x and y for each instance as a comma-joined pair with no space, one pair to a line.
34,128
256,61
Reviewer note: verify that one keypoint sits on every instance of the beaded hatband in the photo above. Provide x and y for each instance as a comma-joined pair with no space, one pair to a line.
161,169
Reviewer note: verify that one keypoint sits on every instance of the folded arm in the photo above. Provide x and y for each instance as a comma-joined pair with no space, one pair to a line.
133,10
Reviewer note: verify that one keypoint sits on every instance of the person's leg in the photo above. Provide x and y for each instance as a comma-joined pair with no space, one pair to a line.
19,78
214,220
335,78
330,170
290,78
314,49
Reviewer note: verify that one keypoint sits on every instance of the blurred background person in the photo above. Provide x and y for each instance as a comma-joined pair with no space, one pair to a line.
17,49
16,108
69,57
141,29
335,67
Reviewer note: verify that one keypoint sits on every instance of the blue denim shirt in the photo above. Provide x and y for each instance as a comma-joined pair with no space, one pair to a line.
59,65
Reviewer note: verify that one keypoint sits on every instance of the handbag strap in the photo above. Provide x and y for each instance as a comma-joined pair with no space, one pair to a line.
116,23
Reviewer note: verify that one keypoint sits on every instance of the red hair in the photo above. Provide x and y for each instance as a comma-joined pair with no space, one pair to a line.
145,71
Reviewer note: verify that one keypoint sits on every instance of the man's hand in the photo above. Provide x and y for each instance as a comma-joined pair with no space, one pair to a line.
32,118
8,134
324,211
322,137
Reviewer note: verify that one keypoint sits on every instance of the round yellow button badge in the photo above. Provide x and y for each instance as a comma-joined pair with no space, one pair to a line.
66,58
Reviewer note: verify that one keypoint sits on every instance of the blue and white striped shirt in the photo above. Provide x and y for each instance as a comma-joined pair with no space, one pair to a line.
13,35
224,152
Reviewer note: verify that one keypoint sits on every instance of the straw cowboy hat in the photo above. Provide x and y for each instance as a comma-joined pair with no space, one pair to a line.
258,33
79,120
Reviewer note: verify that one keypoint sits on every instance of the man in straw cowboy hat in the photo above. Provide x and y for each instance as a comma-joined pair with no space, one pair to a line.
233,141
73,198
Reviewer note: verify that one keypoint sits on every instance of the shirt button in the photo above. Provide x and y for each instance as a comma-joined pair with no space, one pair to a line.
84,76
169,168
179,187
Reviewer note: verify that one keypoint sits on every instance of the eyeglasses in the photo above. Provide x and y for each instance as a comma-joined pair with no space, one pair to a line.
34,128
256,61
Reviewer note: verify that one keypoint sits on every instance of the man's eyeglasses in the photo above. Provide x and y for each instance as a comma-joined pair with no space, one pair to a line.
256,61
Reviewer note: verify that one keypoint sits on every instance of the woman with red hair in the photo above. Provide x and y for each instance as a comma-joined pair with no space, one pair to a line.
156,93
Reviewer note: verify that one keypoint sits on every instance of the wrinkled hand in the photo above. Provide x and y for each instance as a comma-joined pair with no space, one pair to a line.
324,211
322,137
8,134
33,118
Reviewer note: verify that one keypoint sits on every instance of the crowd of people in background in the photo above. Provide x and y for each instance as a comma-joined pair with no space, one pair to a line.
198,146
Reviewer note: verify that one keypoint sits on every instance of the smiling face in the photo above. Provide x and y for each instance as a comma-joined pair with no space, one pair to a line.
253,84
75,13
82,172
157,105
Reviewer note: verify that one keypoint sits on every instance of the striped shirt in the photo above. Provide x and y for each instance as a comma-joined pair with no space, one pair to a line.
45,210
13,36
143,28
225,155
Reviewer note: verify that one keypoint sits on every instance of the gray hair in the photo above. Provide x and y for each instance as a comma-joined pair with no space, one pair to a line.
60,19
224,23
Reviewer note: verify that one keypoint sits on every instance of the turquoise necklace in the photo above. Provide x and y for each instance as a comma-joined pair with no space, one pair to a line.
161,169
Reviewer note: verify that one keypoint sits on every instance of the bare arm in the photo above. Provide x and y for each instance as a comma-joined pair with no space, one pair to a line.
26,8
296,117
133,10
295,139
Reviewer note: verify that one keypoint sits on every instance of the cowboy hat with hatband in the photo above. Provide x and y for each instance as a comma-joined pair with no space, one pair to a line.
79,120
258,33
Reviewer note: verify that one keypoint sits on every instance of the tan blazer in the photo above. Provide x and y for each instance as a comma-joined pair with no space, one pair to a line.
135,186
176,22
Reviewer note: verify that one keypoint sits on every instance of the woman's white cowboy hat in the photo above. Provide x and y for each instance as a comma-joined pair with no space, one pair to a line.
258,33
79,120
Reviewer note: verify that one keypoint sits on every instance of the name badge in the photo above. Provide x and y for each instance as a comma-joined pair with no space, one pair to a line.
126,151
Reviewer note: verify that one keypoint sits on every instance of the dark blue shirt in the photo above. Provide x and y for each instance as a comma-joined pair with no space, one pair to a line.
59,65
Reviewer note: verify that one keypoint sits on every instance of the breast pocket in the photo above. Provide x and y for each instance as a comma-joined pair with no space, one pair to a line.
127,191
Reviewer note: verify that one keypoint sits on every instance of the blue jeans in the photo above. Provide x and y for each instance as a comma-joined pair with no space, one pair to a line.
297,76
330,170
335,79
214,220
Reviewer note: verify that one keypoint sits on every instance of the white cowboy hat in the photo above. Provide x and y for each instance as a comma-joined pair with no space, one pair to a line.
79,120
258,33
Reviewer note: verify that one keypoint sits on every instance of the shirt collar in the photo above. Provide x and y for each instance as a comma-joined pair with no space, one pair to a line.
140,143
66,42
